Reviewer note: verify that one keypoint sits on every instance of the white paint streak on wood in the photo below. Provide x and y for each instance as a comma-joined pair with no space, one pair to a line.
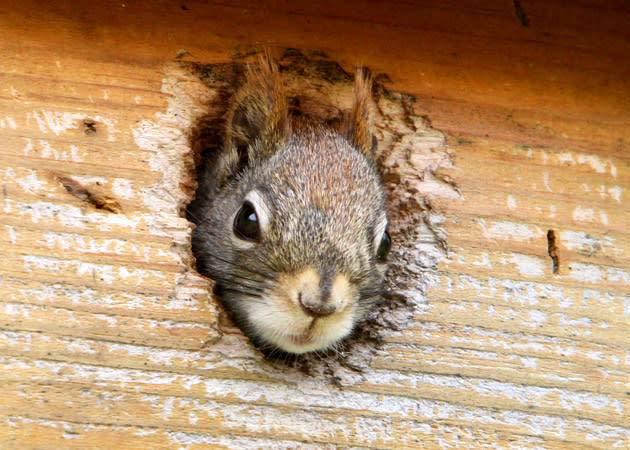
528,265
510,230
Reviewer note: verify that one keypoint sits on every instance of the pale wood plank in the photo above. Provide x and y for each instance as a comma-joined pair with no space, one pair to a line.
108,338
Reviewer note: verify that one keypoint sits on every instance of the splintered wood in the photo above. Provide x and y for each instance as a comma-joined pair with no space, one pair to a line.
109,339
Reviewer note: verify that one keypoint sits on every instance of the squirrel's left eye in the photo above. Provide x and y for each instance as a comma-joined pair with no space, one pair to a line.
246,225
384,246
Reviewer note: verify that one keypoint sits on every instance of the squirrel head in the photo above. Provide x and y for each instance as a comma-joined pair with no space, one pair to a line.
293,225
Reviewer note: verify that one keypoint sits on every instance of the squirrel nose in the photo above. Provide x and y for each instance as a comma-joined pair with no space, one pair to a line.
314,307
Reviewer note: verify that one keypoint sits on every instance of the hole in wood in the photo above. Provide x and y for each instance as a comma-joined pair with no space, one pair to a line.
552,249
520,14
89,196
89,127
409,155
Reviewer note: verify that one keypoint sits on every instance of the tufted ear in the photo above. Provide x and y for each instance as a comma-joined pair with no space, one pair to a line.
359,125
257,122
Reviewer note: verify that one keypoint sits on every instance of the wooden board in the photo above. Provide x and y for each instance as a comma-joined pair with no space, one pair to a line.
108,337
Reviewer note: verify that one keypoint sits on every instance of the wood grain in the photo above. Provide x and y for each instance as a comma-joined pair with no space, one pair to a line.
109,339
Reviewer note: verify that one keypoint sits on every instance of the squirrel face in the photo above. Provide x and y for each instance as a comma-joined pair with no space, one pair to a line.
292,223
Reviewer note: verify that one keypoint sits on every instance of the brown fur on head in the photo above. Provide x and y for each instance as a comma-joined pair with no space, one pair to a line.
294,231
257,121
359,125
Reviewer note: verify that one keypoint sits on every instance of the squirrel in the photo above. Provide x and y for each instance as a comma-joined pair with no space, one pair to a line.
291,219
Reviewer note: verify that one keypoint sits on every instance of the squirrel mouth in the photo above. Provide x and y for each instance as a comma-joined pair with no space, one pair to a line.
302,339
306,338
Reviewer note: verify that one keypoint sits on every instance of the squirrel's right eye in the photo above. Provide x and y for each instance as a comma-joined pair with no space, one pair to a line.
246,225
384,247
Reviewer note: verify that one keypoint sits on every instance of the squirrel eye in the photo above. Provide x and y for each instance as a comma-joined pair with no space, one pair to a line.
246,225
384,246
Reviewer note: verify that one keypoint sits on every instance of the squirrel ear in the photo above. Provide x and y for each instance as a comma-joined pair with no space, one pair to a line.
257,122
359,125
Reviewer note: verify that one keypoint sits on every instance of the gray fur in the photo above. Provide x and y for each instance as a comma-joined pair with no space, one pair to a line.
325,201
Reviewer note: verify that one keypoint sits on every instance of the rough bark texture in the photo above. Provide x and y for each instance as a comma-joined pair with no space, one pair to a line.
508,172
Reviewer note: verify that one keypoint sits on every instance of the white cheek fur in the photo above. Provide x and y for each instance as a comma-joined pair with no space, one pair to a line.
279,320
283,328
